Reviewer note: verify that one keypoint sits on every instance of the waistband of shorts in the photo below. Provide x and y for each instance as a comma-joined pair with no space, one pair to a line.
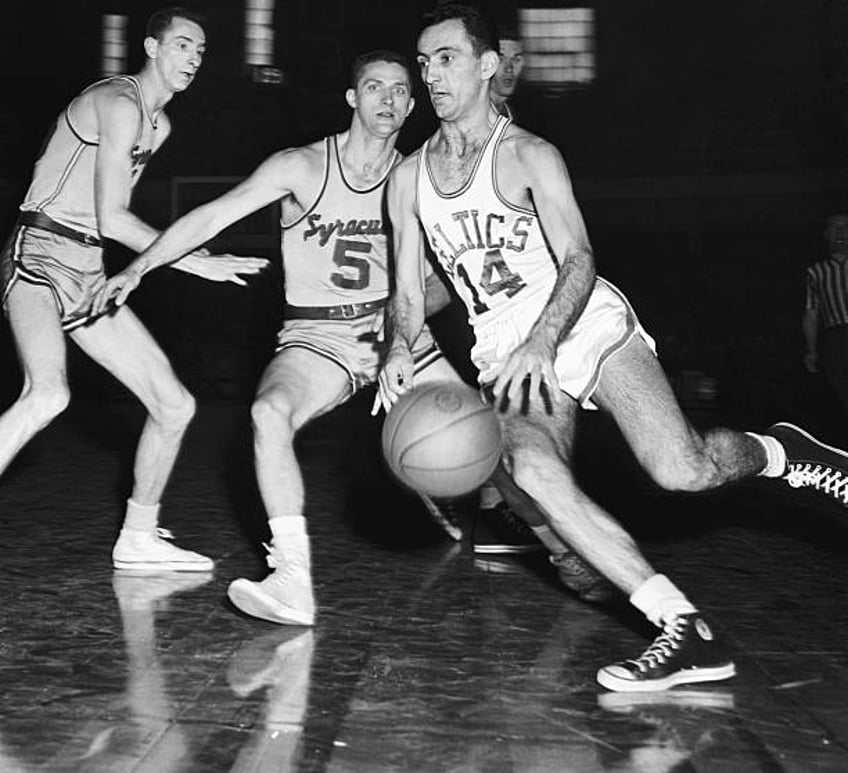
343,311
41,221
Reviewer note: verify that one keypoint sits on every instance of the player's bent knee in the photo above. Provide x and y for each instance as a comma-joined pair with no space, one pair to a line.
270,413
684,476
45,403
533,469
177,411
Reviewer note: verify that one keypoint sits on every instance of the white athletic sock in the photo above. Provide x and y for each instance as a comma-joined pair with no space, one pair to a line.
490,497
141,517
287,528
660,600
775,455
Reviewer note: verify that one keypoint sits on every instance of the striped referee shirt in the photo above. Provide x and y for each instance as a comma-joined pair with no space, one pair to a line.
827,291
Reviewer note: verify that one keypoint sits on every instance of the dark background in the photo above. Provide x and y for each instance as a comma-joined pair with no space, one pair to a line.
705,156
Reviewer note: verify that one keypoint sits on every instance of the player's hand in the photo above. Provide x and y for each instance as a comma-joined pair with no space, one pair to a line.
220,268
116,290
531,361
811,362
378,327
395,378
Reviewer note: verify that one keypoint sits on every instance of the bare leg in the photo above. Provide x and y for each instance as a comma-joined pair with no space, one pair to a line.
40,343
124,347
635,391
537,452
297,386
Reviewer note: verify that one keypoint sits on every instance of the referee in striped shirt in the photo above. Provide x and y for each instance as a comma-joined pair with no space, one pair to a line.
825,321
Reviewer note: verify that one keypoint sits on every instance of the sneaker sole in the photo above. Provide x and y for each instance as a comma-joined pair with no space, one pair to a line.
164,566
689,676
248,599
513,550
809,437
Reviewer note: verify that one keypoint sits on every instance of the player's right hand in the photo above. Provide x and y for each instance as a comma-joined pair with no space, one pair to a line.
395,378
116,291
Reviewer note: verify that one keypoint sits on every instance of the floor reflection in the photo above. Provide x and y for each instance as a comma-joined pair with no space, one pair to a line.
422,660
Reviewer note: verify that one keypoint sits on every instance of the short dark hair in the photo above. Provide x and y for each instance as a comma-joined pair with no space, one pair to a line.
478,26
162,19
379,55
508,32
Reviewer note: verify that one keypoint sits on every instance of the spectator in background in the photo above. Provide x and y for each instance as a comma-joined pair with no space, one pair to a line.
825,319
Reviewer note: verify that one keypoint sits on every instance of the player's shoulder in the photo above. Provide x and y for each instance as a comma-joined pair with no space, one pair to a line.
406,169
526,145
302,159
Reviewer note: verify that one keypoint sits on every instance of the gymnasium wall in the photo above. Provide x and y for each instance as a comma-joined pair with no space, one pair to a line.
705,157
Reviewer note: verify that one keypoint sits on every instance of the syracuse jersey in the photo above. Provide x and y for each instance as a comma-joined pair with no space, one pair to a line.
336,252
63,181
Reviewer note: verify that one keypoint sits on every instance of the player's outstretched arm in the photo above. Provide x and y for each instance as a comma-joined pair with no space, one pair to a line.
542,168
405,310
181,240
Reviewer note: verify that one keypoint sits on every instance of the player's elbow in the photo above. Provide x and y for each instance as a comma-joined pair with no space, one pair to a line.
111,224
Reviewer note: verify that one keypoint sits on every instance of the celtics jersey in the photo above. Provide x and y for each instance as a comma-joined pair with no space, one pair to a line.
493,251
63,181
336,252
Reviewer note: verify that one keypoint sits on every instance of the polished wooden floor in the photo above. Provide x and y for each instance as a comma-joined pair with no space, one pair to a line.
421,659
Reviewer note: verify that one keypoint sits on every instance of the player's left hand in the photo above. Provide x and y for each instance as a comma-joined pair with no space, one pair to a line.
221,268
531,361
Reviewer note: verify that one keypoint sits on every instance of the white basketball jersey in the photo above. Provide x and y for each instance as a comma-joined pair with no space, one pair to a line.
493,251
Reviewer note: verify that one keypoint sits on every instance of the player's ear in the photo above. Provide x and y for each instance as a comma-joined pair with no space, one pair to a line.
489,62
151,46
410,106
350,98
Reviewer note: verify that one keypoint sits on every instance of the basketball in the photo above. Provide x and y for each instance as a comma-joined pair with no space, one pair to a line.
441,439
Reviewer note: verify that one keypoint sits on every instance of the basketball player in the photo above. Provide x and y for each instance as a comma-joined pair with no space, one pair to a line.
52,267
505,80
335,256
498,210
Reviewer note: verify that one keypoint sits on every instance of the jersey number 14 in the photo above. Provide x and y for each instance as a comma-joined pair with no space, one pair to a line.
496,277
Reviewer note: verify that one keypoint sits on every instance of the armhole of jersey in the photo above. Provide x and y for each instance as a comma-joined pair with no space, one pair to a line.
142,113
501,198
326,176
416,203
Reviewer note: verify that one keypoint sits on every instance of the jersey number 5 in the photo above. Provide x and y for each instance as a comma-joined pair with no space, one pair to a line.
496,277
359,269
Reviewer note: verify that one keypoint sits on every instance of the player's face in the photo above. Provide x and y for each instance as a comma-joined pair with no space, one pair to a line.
837,234
179,53
382,98
453,73
509,70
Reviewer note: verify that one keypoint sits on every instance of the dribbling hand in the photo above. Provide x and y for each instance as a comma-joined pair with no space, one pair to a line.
395,378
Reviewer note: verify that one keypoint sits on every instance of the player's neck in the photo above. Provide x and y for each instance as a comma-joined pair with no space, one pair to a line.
365,156
467,133
156,95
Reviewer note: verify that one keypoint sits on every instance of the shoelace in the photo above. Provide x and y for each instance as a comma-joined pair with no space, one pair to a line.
164,533
278,560
663,647
824,479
